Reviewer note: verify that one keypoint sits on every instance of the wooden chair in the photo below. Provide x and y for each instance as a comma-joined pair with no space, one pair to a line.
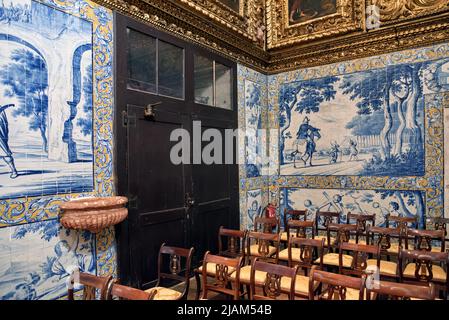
440,223
322,220
425,240
231,244
297,229
418,267
304,253
382,237
178,267
276,277
363,221
403,223
222,281
362,256
399,291
90,283
337,233
334,286
289,215
127,293
267,225
265,247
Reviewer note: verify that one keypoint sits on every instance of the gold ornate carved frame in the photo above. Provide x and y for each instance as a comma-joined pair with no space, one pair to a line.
349,17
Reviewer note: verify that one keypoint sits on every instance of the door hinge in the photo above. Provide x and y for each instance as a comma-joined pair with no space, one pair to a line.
128,120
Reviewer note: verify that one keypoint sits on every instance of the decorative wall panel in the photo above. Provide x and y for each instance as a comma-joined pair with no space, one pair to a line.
423,85
56,125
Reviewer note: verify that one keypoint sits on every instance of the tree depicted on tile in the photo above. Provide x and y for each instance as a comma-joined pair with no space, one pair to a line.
36,258
253,126
368,123
45,101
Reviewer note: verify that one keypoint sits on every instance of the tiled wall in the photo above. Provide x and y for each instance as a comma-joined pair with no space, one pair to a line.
331,149
56,141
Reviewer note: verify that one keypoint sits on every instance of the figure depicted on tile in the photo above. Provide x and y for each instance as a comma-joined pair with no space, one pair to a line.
369,123
254,206
35,259
46,101
403,203
5,151
305,10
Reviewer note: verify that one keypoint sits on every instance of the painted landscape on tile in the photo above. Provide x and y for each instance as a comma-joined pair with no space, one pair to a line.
403,203
368,123
45,101
253,138
35,259
306,10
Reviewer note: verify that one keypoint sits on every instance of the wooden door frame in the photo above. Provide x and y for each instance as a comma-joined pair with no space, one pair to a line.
189,107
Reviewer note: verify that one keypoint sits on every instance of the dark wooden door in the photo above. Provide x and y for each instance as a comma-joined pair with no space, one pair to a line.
180,205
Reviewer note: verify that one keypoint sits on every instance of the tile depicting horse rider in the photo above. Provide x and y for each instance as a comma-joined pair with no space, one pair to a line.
46,102
35,259
368,123
403,203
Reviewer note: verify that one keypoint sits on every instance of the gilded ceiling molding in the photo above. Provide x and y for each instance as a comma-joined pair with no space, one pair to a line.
361,45
396,10
166,16
337,17
248,21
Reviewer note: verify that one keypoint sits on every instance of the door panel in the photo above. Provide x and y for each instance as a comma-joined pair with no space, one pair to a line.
215,189
156,189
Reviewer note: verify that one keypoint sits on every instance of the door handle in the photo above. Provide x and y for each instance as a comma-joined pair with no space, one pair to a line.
190,201
148,112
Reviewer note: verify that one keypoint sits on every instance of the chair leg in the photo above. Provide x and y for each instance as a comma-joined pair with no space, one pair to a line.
248,288
198,286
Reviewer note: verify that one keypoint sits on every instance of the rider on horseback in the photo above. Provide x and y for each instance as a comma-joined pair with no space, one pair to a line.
304,143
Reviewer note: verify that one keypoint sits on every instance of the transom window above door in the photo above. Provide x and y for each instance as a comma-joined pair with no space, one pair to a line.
213,82
155,66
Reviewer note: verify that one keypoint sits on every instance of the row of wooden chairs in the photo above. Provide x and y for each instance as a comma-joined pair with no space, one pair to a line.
174,267
270,281
350,258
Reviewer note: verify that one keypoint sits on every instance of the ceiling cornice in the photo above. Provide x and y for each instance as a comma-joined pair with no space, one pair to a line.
404,24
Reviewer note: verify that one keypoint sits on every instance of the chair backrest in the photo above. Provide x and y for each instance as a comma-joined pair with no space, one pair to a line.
334,285
263,241
324,218
382,237
271,287
440,223
174,264
340,231
423,239
363,221
224,267
424,262
231,243
267,225
290,214
310,250
399,291
91,283
299,229
360,254
403,223
127,293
